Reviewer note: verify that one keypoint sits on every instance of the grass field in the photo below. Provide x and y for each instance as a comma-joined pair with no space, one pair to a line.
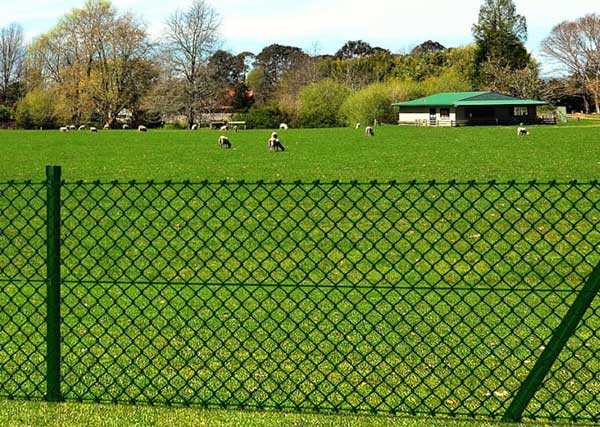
455,337
400,153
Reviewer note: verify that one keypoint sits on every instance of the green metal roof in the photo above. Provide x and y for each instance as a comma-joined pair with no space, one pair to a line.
464,99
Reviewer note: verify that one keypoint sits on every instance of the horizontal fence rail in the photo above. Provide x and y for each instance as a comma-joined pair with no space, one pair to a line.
413,298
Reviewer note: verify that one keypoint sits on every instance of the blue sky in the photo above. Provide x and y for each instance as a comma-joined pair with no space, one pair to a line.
321,25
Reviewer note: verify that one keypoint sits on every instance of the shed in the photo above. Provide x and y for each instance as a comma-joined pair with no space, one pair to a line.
468,109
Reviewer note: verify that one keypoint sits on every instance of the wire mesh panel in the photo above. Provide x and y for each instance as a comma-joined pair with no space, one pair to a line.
22,290
396,298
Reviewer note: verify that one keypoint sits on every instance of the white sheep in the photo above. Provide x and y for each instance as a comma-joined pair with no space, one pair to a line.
369,131
283,126
64,129
71,127
224,142
142,128
93,129
82,127
106,127
357,126
235,128
522,131
224,128
125,127
194,127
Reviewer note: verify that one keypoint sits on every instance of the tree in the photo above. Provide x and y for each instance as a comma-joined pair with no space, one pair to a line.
357,49
500,34
523,83
12,54
271,64
99,60
321,103
191,38
575,45
428,47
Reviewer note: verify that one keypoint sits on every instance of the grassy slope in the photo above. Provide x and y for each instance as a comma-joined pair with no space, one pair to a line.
400,153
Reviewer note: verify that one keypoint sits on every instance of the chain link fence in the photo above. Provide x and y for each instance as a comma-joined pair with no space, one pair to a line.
413,298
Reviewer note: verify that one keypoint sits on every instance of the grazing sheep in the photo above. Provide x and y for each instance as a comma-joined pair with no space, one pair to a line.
125,127
274,143
64,129
369,131
522,131
195,127
93,129
224,128
71,127
82,127
142,128
283,126
235,128
106,127
357,126
224,142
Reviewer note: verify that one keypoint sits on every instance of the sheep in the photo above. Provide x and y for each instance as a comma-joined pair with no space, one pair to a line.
142,128
93,129
357,126
521,131
283,126
224,142
106,127
64,129
274,143
235,128
369,131
224,128
82,127
71,127
125,127
195,127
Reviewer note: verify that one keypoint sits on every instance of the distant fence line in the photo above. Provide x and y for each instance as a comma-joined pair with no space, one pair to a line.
461,299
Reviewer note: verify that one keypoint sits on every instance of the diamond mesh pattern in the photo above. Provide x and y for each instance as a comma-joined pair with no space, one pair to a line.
22,290
382,297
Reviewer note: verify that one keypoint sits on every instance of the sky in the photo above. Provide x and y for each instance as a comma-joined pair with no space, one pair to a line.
321,26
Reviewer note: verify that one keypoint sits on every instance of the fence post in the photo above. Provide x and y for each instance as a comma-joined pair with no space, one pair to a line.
53,184
558,341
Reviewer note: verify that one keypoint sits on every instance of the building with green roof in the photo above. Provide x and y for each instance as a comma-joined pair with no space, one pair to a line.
468,109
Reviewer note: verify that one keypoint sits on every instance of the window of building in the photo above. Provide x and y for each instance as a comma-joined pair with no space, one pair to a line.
521,111
445,113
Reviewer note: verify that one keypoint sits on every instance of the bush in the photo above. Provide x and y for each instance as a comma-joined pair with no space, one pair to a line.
375,102
261,118
321,103
39,109
5,114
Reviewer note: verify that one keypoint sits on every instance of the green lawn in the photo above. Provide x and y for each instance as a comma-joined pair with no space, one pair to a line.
407,298
400,153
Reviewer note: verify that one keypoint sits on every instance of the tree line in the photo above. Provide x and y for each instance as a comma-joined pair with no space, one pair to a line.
98,63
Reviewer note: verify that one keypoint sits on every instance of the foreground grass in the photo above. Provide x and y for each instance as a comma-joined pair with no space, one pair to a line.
400,153
34,414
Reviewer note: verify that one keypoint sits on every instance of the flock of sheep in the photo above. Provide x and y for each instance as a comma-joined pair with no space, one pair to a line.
70,128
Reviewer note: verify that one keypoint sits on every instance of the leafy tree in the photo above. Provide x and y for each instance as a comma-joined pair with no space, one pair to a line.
375,101
428,47
321,103
5,113
262,118
500,34
358,49
522,83
274,62
39,109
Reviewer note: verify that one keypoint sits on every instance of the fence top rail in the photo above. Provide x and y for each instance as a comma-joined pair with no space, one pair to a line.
414,183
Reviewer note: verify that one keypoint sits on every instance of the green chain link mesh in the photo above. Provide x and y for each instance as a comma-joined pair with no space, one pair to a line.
394,298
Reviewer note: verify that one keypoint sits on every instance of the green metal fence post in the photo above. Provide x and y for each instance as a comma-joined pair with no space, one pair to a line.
558,341
53,184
